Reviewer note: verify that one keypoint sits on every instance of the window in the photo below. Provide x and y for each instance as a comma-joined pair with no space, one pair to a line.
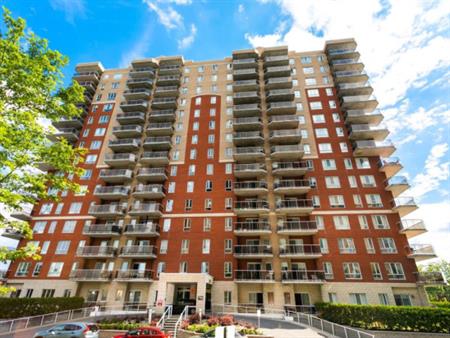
341,222
100,131
213,99
207,224
166,224
188,205
39,227
185,246
304,133
352,182
161,267
362,163
332,104
55,269
108,107
346,245
374,201
228,269
44,248
383,298
367,181
316,201
91,159
321,132
332,297
163,246
352,270
305,60
228,185
320,222
86,131
198,101
323,245
75,208
358,298
348,163
402,300
315,105
212,111
171,187
193,154
310,81
325,148
208,204
328,270
183,267
211,139
297,94
380,222
376,271
103,119
228,246
332,182
37,269
329,164
363,224
227,299
191,170
210,169
96,145
228,168
336,201
204,268
59,207
206,246
62,247
52,227
190,186
339,132
169,205
308,70
195,126
176,155
69,227
22,269
387,245
370,248
228,224
343,146
336,117
46,208
212,124
228,203
173,170
86,174
313,92
210,153
187,223
48,293
357,201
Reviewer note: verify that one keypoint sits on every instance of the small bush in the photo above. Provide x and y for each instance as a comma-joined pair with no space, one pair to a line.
200,328
226,320
24,307
392,318
443,305
194,318
246,331
213,320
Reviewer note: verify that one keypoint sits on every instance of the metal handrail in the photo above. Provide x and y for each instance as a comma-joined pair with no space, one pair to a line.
167,313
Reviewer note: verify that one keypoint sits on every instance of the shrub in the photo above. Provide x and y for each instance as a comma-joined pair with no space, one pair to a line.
200,328
213,320
443,305
246,331
24,307
394,318
194,318
226,320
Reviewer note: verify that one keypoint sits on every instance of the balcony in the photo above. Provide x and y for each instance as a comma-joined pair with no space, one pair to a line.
120,160
280,108
87,76
138,251
251,207
252,228
137,94
367,102
373,148
125,144
358,88
164,102
168,80
23,214
283,122
102,230
245,85
244,138
88,97
278,83
13,233
169,70
342,54
245,63
295,206
72,135
164,115
247,123
390,166
160,129
412,227
363,117
292,187
155,158
304,251
350,76
430,278
421,252
397,185
69,123
278,60
297,228
134,276
247,170
246,110
130,130
158,142
346,65
254,276
142,72
277,71
134,105
404,205
140,83
115,192
298,168
83,275
246,97
245,74
116,175
152,191
44,166
152,174
287,152
148,229
250,188
285,136
279,95
96,251
252,251
366,131
131,118
146,209
303,276
165,91
249,154
107,210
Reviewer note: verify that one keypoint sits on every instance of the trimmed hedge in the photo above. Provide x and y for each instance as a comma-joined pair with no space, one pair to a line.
391,318
24,307
443,305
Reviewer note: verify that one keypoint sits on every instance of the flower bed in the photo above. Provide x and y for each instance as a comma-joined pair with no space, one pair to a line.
206,324
124,324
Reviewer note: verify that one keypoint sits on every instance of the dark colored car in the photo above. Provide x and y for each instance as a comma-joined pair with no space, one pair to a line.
144,332
70,330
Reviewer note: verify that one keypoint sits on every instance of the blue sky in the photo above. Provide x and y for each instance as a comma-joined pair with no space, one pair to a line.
403,43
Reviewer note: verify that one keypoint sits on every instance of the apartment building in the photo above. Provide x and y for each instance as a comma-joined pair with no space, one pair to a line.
263,179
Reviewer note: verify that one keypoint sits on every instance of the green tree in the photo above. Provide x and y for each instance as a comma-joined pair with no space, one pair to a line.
32,95
439,292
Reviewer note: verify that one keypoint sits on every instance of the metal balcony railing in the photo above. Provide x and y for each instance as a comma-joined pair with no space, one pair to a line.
150,188
250,185
115,189
249,167
134,274
115,172
292,184
100,229
253,250
251,204
404,202
90,274
293,165
142,228
252,226
249,150
107,208
297,225
98,251
138,250
256,275
300,249
303,275
294,203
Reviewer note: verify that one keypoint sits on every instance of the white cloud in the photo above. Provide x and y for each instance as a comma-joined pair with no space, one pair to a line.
435,172
394,39
241,8
176,2
167,16
71,8
139,48
187,41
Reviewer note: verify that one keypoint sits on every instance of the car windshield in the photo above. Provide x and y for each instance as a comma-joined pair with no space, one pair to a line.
133,333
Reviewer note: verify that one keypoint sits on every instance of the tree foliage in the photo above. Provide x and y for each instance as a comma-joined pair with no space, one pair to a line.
438,292
31,96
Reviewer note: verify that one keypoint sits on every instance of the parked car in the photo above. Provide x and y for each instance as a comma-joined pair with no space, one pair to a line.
144,332
70,330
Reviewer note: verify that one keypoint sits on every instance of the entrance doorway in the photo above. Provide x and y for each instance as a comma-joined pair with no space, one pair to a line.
302,302
184,295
